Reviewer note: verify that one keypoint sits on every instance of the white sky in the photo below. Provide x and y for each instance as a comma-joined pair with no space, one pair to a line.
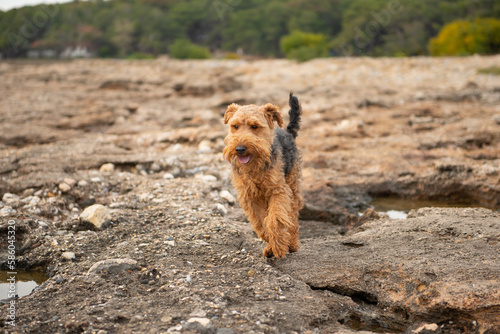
9,4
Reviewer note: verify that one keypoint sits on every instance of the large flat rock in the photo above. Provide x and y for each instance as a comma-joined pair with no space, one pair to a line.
438,266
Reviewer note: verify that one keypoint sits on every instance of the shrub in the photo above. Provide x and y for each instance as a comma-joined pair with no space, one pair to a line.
460,38
493,70
184,49
304,46
232,55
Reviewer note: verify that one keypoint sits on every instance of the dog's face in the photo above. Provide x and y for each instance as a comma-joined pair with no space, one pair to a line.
250,133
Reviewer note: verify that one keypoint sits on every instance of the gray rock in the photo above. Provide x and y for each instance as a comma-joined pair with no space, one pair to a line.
200,325
112,266
225,331
96,216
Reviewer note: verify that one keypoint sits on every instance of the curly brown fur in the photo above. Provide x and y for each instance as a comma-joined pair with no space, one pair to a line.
266,171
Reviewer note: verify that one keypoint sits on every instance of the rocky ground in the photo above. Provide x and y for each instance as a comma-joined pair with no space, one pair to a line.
167,248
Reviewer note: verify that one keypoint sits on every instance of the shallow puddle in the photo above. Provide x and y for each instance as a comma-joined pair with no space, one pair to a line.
398,208
20,283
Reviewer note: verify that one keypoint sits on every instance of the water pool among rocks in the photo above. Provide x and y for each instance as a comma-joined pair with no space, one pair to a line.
398,208
25,282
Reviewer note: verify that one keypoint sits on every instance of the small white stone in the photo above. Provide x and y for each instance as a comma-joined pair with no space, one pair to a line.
9,198
64,187
7,211
31,200
220,209
206,178
82,183
71,182
168,176
68,255
205,146
227,196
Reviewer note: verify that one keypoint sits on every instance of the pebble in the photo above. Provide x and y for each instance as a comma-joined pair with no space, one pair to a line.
168,176
71,182
132,107
225,331
9,198
68,256
219,209
107,168
227,196
7,211
204,147
64,187
31,200
169,243
155,167
426,328
198,313
167,319
97,215
200,325
206,178
112,266
82,183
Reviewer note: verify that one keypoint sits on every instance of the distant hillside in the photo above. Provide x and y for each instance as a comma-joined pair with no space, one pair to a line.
142,28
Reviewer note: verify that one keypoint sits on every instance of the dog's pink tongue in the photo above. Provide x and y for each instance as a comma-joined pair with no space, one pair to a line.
244,159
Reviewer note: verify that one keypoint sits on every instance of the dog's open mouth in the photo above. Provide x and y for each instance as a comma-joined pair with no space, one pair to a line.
244,159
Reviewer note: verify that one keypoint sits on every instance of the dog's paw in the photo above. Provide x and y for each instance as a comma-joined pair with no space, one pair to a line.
278,253
293,247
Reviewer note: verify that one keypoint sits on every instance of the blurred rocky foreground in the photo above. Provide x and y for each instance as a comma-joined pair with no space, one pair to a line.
163,247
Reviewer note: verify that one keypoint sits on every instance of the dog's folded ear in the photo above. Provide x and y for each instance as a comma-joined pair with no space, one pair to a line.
231,109
272,113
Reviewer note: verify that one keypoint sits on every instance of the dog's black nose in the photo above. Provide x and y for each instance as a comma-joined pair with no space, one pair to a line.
241,150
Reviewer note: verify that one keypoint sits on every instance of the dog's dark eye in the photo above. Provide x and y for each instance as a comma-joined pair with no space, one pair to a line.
235,127
254,127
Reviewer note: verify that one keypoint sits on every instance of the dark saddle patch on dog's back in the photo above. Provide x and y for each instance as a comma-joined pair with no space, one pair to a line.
284,143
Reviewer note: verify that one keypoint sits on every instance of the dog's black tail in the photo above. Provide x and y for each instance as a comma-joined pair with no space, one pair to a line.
294,113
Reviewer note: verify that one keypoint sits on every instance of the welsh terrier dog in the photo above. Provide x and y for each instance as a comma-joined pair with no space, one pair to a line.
266,171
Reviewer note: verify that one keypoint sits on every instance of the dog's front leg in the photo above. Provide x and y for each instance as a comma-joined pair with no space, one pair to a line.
278,222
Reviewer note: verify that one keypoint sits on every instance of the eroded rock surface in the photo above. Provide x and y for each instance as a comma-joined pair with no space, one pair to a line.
439,266
143,139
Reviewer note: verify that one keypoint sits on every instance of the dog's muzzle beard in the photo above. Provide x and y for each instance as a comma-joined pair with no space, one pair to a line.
255,153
